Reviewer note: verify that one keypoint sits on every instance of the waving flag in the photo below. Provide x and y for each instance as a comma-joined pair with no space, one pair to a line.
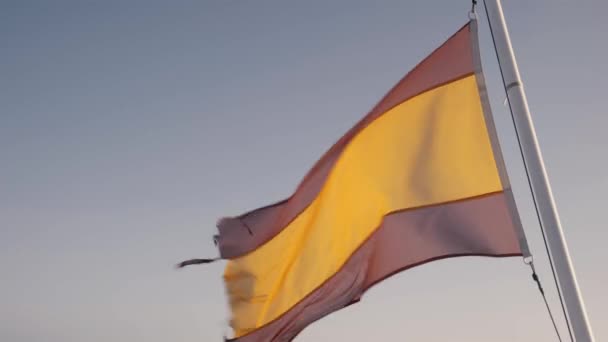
419,178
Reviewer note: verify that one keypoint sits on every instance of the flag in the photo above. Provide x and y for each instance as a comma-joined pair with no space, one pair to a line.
419,178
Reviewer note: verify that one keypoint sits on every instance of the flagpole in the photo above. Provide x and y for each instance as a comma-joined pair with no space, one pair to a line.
541,189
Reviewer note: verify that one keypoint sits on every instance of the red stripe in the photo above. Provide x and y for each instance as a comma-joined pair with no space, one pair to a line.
480,226
242,234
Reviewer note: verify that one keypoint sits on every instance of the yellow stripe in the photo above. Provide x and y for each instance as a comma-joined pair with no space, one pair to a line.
430,149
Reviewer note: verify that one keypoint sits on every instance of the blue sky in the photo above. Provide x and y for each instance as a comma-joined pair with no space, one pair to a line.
128,127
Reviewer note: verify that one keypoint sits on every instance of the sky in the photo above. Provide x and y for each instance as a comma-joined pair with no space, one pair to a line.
127,128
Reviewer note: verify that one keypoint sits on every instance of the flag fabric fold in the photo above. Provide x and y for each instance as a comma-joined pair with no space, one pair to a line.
420,178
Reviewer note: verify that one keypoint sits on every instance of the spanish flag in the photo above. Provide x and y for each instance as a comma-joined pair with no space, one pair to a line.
420,178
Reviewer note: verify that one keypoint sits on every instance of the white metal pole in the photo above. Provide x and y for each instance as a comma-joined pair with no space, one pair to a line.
541,189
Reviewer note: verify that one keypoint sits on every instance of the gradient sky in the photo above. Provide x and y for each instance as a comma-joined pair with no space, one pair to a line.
128,127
